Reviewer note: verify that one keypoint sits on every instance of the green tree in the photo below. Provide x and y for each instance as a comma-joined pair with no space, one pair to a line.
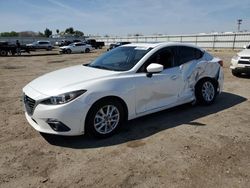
9,34
79,33
47,32
69,30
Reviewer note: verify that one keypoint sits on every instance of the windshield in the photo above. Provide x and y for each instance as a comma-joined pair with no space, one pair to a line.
120,59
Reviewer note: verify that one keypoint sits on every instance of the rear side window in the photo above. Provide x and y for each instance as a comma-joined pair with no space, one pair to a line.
43,42
187,54
79,44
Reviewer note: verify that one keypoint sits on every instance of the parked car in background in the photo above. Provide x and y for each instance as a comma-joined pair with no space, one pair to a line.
95,44
125,83
115,45
240,63
66,42
41,45
247,46
76,47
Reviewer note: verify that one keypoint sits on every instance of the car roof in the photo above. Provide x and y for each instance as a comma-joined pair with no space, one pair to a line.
43,41
79,42
162,44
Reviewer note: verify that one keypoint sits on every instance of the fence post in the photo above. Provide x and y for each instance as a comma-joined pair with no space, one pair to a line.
196,38
234,41
214,43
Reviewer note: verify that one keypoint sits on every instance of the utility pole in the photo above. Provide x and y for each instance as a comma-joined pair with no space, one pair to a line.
239,22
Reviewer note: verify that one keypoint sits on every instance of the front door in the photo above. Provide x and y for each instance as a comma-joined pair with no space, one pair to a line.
161,90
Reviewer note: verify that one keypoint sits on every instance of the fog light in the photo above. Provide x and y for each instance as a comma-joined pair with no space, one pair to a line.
57,125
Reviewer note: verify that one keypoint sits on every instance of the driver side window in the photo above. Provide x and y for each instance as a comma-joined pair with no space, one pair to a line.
163,57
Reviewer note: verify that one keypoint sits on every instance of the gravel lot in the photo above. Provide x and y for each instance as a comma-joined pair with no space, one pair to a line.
182,147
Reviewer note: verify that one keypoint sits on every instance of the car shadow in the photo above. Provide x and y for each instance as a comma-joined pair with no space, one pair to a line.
151,124
54,53
34,55
244,76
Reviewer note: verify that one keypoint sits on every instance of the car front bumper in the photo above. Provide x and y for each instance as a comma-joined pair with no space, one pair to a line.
241,67
64,119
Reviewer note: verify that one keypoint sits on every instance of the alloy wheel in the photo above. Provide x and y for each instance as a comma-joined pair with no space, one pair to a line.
106,119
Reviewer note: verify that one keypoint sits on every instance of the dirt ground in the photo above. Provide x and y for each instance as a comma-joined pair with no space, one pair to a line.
182,147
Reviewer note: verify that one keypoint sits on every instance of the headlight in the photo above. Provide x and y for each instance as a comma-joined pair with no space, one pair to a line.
236,57
63,98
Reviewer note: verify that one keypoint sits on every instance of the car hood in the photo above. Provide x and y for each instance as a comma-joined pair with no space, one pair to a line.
68,79
30,44
244,53
63,47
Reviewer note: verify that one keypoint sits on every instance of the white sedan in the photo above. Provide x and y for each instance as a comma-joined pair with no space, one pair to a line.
76,47
122,84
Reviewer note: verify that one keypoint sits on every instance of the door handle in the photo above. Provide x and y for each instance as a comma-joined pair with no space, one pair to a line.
174,77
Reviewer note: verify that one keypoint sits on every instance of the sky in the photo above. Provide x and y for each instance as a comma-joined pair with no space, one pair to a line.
123,17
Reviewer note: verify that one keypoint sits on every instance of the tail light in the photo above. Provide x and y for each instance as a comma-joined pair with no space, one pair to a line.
221,63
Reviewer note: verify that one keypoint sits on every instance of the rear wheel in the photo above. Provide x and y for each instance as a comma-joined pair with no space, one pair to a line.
206,91
87,50
3,53
104,118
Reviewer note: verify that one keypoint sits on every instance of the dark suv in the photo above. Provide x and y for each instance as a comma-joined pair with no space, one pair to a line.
112,46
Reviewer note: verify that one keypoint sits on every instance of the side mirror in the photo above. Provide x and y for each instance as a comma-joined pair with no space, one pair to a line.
154,68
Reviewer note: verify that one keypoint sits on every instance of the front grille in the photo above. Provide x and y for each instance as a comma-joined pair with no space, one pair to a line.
245,57
30,104
244,62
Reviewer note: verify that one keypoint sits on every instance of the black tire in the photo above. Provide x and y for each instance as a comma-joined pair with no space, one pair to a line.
68,51
3,53
93,122
87,50
49,48
236,73
206,91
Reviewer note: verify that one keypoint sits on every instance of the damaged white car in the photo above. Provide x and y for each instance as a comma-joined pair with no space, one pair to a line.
122,84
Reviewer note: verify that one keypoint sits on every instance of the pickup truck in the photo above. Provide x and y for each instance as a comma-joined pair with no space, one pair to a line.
6,48
95,44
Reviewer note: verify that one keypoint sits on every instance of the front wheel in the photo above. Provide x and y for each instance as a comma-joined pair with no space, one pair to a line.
206,91
68,51
104,118
236,73
87,50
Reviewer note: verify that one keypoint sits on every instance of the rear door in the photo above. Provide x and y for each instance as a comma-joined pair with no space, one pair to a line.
187,60
78,47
